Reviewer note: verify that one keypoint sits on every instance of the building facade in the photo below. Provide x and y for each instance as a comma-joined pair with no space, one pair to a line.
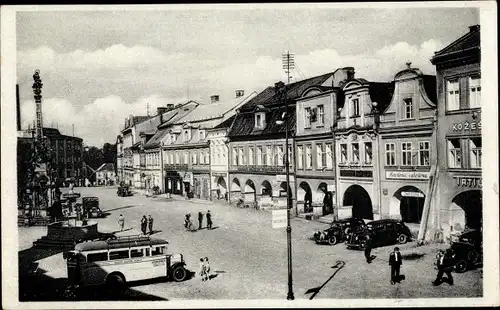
105,174
356,146
314,148
407,147
459,192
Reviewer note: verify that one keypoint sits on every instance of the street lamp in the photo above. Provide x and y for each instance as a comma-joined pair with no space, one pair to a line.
280,89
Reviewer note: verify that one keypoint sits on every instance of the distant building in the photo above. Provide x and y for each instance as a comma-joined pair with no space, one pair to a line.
105,174
67,153
459,194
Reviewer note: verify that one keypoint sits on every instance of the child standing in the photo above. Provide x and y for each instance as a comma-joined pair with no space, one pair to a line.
207,268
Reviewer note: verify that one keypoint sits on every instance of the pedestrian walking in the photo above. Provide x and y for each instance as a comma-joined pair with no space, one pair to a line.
395,262
209,220
207,268
203,271
368,249
200,219
121,222
445,266
150,224
144,224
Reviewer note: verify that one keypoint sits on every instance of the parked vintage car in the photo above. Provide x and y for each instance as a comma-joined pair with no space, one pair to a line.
124,191
338,231
382,232
467,249
91,207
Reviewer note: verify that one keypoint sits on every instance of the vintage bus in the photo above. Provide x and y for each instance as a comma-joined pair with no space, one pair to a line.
123,259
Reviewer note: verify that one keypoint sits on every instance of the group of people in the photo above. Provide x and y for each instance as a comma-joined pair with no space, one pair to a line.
146,222
444,264
204,269
189,225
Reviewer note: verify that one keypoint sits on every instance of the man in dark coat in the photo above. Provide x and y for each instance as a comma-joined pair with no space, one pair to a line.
144,224
368,249
209,220
395,261
200,219
445,265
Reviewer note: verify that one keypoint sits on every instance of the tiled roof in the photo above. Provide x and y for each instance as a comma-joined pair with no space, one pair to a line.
226,124
173,116
469,40
155,141
106,167
268,96
430,87
381,93
244,124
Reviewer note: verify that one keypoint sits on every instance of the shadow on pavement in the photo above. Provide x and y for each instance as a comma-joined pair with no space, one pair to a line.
339,265
119,208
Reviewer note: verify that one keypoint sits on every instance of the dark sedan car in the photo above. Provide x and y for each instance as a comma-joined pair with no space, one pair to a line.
124,191
338,231
381,232
467,249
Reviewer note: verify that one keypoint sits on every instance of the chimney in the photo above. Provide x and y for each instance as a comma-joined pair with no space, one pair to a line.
18,108
170,106
474,28
214,98
239,93
349,72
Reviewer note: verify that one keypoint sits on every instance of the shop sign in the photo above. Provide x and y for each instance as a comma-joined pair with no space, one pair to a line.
467,126
279,219
356,173
462,181
282,178
413,194
410,175
218,174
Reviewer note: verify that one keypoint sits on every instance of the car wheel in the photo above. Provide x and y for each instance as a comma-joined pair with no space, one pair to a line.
179,273
115,281
402,239
461,266
473,256
332,240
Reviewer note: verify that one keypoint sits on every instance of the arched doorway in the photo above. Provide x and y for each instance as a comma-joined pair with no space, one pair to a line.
327,198
221,188
304,194
236,190
409,201
283,193
470,213
266,189
249,192
357,197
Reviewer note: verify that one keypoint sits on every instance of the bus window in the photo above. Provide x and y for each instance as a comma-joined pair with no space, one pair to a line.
136,253
158,250
97,257
118,254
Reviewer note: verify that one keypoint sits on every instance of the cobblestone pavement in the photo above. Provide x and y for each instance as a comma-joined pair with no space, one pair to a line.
250,261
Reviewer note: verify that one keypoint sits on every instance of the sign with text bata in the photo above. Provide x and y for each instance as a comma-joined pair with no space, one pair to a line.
410,175
279,218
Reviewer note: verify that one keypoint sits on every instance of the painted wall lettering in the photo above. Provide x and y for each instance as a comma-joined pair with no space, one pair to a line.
468,181
467,125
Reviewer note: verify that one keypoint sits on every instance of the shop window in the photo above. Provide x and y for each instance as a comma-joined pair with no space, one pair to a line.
474,92
454,153
390,154
424,153
343,153
452,95
355,152
300,157
406,156
475,145
368,153
308,157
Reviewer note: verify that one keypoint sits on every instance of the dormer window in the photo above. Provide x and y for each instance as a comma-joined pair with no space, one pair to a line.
407,108
355,107
201,133
260,120
186,136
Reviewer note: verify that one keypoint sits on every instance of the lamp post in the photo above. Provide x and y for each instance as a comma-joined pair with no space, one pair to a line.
280,89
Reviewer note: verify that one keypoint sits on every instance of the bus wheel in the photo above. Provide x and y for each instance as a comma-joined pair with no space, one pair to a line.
115,281
179,273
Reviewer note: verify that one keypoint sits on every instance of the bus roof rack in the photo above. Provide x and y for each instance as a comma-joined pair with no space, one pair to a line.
128,239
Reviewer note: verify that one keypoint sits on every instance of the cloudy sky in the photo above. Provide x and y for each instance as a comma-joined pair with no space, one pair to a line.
98,67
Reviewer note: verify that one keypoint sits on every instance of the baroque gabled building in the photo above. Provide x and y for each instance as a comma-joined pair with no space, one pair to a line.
459,194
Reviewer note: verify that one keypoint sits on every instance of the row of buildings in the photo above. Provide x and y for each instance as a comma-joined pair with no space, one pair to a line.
358,148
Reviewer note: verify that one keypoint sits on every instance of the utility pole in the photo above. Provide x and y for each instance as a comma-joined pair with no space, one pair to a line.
288,63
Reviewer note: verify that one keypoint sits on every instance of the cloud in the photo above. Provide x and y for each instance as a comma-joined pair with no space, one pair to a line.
97,122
